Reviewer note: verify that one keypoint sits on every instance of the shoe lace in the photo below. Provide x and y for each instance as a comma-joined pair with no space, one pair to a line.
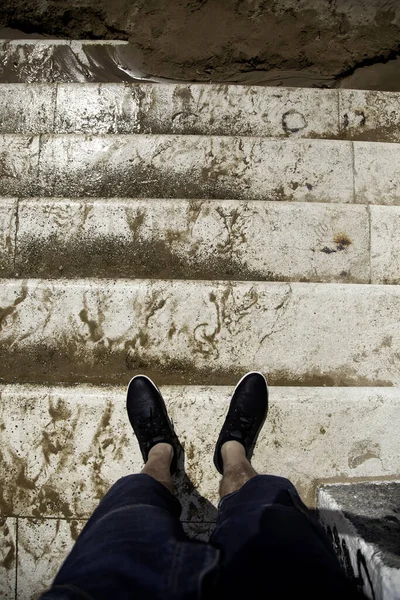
246,423
151,421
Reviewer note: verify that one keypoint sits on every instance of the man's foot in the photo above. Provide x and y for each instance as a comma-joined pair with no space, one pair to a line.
246,415
149,418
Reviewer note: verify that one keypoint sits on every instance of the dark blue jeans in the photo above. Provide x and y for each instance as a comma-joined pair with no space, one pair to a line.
265,544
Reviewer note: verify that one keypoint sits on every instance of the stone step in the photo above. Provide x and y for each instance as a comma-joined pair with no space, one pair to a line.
112,108
195,239
199,332
215,109
199,239
168,108
173,166
62,447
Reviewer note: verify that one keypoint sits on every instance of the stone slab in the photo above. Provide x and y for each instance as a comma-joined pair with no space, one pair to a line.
363,522
385,244
27,108
377,173
225,239
19,160
199,331
196,109
43,544
369,115
8,211
64,446
196,167
8,534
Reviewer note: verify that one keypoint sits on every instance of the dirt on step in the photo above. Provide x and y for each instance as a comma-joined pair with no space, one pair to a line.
281,42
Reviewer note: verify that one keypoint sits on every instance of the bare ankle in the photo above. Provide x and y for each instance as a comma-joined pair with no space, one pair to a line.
237,468
232,453
161,451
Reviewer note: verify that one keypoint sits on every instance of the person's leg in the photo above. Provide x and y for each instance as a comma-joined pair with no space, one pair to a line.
159,464
237,469
270,543
134,546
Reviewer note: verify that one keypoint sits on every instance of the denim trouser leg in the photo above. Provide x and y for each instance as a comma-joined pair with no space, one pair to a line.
266,545
272,547
134,546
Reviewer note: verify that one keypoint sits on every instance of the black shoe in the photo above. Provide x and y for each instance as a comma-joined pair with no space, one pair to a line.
246,415
149,418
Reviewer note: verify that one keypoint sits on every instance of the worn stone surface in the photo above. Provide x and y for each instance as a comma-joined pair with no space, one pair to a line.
197,109
8,208
112,108
385,244
7,557
200,167
369,115
43,544
193,240
64,447
363,520
377,173
27,108
155,108
199,332
19,158
196,167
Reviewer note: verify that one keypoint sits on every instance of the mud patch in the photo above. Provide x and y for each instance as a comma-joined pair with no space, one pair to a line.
296,42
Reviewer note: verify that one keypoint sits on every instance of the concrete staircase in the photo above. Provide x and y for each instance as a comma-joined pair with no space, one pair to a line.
190,232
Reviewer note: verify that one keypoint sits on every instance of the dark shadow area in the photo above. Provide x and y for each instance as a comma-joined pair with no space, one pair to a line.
195,508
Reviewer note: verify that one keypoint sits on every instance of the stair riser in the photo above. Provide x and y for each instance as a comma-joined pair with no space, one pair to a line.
199,332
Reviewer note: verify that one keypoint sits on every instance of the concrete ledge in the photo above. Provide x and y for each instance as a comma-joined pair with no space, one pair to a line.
199,331
363,521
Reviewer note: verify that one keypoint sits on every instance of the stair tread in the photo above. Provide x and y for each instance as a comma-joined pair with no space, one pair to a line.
203,239
199,331
345,433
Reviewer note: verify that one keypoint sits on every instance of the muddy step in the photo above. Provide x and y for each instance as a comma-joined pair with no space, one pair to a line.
69,444
188,239
199,332
174,166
